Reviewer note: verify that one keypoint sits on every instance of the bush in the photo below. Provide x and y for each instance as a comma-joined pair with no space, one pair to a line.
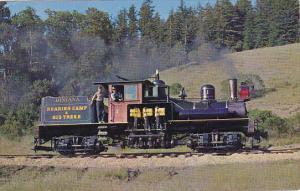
175,89
259,84
295,120
2,114
27,114
12,127
20,121
254,78
38,90
274,125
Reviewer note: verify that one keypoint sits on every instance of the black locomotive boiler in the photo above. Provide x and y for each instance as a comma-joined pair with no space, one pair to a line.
146,117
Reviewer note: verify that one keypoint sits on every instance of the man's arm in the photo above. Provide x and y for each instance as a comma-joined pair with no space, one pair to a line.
113,96
93,98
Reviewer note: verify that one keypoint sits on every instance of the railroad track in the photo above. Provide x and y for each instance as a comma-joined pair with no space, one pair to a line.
154,154
33,156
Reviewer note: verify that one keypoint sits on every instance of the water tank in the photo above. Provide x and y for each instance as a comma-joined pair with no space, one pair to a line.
207,92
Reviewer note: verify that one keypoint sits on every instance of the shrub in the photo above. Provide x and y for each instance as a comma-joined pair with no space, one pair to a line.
254,78
259,84
295,120
274,125
175,89
38,90
2,114
19,121
27,114
12,127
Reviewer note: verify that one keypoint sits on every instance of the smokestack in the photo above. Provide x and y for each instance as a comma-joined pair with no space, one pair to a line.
233,89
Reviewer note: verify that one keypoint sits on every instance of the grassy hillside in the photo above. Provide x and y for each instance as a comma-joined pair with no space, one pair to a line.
279,67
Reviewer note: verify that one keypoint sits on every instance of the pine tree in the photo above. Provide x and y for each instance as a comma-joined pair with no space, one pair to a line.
226,19
248,33
4,13
6,30
60,28
184,24
262,23
245,24
133,29
98,23
146,18
208,28
170,37
122,26
290,25
29,32
157,30
284,22
191,27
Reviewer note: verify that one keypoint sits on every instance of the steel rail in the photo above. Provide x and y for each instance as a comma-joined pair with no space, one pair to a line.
151,154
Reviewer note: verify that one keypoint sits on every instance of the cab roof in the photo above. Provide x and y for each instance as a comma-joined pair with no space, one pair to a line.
123,82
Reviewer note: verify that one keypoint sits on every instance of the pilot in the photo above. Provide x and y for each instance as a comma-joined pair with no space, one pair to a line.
115,95
99,98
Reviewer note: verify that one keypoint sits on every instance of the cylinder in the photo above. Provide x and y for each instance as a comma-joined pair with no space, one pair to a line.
207,92
233,89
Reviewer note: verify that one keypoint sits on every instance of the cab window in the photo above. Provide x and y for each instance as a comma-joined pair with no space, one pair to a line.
119,93
130,92
151,92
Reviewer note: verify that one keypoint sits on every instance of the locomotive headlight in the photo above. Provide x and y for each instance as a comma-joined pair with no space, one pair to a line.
160,111
147,112
135,112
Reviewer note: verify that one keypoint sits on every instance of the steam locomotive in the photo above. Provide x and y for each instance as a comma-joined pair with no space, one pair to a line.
146,117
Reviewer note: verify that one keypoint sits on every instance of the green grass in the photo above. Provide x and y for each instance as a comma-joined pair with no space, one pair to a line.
250,176
279,67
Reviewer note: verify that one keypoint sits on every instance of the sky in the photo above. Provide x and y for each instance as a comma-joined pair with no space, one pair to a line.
110,6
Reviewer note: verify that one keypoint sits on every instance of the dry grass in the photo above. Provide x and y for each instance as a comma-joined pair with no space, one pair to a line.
288,140
279,67
19,146
181,148
250,176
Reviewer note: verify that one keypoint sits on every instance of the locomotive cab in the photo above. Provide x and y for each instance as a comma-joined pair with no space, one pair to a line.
133,92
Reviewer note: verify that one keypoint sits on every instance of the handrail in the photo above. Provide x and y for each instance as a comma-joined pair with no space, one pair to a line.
198,98
207,120
176,104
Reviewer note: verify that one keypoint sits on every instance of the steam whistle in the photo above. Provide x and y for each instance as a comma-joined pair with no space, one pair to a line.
182,94
156,75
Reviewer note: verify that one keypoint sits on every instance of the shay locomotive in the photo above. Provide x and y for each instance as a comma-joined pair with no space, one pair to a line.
146,117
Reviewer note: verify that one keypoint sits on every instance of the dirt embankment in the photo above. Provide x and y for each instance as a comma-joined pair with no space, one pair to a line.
153,162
